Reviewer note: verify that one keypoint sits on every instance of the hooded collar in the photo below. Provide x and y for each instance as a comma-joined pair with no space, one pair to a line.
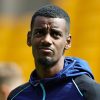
72,67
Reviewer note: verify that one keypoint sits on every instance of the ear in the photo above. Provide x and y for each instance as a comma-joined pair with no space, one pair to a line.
68,42
29,38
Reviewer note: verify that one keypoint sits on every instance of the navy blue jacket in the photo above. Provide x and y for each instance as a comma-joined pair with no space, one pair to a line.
60,87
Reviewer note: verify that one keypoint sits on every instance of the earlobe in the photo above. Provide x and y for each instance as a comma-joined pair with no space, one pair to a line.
29,38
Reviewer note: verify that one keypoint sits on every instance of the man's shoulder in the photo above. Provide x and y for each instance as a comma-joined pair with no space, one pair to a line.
85,81
89,87
17,90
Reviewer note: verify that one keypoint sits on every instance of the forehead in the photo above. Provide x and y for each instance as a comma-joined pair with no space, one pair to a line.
41,21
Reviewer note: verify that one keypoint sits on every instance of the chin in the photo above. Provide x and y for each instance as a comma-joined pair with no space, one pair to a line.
46,61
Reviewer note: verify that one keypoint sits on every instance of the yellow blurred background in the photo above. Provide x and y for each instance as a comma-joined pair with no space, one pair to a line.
85,32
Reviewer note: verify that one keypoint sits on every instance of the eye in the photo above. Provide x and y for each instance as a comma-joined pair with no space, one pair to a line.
38,33
56,34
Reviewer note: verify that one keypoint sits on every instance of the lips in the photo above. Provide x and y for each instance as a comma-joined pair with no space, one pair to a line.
45,50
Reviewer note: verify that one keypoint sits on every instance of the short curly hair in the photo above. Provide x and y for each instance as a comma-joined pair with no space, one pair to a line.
51,11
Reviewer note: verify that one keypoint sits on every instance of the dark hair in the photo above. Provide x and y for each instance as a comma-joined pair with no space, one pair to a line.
51,11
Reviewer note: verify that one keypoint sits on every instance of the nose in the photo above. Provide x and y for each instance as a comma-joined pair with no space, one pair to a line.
47,39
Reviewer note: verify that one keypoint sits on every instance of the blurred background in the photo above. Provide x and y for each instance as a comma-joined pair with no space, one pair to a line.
15,18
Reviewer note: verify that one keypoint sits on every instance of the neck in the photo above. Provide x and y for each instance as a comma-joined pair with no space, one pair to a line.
44,72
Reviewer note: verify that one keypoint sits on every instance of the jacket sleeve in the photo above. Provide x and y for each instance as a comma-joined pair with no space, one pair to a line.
89,87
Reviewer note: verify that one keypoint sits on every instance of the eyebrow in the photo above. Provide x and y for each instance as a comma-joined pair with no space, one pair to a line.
37,28
55,28
45,27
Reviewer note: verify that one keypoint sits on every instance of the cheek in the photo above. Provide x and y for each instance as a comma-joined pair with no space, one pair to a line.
60,47
35,42
34,46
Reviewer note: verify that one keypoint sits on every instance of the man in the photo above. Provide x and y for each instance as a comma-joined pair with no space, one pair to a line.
10,78
56,77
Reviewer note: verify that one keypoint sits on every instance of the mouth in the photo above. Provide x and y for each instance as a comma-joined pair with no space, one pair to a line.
46,50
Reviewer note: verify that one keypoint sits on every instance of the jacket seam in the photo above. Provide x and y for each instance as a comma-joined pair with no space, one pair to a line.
20,91
77,87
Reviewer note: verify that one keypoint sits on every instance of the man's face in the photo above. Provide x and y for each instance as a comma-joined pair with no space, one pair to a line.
48,39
